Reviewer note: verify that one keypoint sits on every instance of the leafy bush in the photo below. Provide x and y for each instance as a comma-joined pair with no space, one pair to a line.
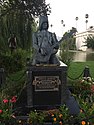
6,110
90,42
56,116
13,62
61,116
66,57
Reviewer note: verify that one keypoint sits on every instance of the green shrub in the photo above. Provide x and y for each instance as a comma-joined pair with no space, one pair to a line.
13,62
66,57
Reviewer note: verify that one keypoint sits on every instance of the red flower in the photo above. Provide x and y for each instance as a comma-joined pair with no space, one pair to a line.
14,97
5,100
13,100
1,111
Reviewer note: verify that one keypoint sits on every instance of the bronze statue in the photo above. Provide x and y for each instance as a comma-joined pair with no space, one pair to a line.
45,44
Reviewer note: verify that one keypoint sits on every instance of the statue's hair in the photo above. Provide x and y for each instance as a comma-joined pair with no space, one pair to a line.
43,19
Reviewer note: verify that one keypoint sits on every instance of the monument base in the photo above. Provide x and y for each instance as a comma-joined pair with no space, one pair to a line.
46,89
47,86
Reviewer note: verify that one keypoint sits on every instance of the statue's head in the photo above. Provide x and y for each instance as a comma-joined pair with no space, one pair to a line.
43,23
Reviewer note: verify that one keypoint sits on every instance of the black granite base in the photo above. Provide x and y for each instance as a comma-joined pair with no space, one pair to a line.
46,86
46,89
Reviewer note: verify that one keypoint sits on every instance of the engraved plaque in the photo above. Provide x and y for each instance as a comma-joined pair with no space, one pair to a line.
46,83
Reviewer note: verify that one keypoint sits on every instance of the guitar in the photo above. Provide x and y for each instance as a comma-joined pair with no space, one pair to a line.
49,50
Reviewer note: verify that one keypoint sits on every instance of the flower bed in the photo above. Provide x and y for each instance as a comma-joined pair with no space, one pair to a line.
83,92
6,111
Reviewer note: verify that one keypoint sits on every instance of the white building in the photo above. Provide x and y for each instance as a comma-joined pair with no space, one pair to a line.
81,38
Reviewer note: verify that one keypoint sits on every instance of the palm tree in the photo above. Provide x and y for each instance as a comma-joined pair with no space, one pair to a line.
63,25
51,26
62,22
86,23
76,21
86,16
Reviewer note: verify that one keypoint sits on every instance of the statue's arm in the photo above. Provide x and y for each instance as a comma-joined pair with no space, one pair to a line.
35,42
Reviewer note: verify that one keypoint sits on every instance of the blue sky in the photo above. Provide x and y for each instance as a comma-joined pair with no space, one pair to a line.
67,10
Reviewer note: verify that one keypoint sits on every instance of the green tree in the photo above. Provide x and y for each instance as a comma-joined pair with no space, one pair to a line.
30,8
90,42
18,16
67,44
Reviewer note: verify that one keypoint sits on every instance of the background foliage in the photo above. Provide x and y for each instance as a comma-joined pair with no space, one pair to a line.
18,17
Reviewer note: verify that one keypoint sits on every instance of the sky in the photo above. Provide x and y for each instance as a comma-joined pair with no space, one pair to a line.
68,10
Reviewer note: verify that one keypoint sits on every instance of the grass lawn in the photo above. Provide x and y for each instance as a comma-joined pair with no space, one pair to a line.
76,68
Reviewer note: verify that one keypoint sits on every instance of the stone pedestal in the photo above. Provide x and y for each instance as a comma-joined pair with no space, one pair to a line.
47,86
46,89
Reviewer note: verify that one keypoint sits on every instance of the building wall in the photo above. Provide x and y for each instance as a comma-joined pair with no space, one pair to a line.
81,38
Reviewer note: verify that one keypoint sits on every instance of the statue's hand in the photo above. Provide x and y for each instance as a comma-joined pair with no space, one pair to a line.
43,51
55,51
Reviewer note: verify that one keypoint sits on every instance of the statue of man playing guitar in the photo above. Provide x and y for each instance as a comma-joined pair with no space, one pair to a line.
45,44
